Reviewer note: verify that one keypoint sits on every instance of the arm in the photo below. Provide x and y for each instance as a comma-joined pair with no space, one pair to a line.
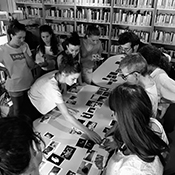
59,60
28,56
91,134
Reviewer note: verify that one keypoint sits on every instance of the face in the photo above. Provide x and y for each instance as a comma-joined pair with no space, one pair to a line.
46,37
128,75
125,49
71,79
93,39
18,38
73,50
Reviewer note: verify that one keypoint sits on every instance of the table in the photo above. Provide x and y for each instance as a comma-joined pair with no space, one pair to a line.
106,74
72,148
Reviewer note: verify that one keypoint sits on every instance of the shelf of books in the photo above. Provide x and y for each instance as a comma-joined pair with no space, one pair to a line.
152,20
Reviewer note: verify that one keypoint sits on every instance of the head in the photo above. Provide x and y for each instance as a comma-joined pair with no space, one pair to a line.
93,34
132,109
128,42
155,58
20,151
47,38
132,67
69,70
73,44
17,33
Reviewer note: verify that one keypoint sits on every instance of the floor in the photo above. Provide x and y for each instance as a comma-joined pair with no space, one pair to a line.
170,168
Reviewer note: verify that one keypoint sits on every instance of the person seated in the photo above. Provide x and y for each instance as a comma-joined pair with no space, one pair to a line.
129,42
90,51
20,151
144,148
158,67
47,50
45,94
133,69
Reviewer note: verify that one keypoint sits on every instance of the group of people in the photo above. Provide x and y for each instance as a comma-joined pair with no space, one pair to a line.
140,144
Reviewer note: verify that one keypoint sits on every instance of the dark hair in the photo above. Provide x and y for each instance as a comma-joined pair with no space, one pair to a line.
92,30
155,57
74,39
134,62
15,27
69,65
16,140
53,42
129,37
133,110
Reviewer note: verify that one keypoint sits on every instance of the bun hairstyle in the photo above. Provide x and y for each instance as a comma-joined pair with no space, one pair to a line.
14,27
69,65
74,39
92,30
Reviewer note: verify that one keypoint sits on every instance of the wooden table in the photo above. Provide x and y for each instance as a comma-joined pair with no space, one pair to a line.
56,131
106,74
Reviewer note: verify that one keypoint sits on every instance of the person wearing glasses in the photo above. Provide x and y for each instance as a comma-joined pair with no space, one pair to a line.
90,51
20,150
129,43
133,69
142,143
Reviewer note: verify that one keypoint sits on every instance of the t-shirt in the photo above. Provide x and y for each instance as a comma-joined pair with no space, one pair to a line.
153,95
45,93
15,62
50,58
120,164
86,55
165,87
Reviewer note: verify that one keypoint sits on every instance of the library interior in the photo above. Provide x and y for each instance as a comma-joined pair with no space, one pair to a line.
77,78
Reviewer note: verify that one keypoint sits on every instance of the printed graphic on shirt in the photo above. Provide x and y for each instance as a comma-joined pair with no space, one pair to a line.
17,56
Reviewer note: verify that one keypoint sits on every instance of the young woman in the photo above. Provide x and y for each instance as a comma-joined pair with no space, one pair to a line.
21,152
144,142
71,46
47,50
45,94
158,66
90,50
16,57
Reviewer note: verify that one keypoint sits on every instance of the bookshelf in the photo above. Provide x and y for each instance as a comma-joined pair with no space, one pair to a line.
152,20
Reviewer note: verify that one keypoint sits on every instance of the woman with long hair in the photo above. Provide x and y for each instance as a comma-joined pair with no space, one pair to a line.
144,143
47,49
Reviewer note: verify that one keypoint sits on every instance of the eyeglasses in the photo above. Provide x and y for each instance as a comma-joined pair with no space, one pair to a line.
124,77
124,50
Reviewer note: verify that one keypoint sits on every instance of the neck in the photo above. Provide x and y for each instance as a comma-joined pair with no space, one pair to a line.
146,81
59,78
13,45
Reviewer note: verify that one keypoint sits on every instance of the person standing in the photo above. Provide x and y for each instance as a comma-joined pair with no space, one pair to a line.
17,61
90,51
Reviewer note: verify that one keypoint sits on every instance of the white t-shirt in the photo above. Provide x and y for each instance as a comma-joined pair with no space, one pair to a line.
153,95
120,164
165,87
45,93
49,58
15,62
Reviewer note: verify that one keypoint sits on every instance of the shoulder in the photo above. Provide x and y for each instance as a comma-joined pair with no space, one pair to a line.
135,166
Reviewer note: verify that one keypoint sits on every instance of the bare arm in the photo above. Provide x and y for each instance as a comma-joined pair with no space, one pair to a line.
91,134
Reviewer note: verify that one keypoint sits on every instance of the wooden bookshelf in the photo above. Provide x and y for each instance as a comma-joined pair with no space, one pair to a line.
151,20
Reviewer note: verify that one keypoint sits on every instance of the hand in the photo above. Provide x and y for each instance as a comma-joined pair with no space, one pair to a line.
94,136
99,162
110,145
